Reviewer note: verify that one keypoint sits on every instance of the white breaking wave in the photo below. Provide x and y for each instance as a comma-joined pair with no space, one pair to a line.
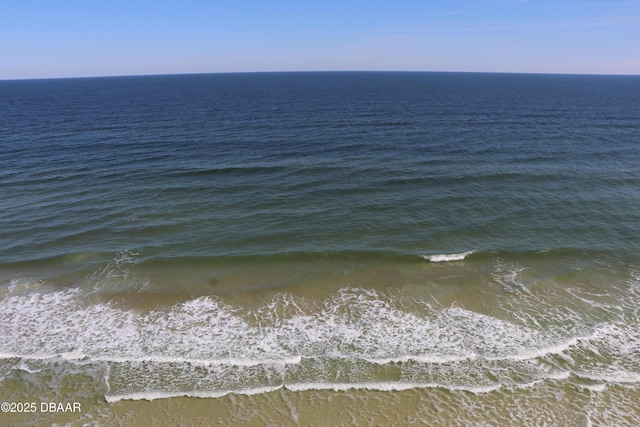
207,348
300,387
354,324
447,257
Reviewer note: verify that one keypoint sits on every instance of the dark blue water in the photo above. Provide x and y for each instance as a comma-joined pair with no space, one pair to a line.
247,164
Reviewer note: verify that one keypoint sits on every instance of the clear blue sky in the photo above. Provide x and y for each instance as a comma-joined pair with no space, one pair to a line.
59,38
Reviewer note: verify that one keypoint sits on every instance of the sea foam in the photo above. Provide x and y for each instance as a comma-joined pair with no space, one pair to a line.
447,257
352,339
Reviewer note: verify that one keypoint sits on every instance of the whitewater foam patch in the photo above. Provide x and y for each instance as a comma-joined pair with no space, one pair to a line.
611,376
447,257
300,387
197,394
354,338
353,324
423,358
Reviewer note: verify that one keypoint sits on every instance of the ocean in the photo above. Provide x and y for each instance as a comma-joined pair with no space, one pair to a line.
348,248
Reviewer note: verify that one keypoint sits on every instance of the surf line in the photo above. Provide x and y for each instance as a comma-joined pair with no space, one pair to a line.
447,257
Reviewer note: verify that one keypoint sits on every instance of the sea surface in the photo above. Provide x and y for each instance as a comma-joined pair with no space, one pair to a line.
321,249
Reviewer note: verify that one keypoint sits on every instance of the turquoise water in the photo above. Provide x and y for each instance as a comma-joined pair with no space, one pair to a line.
212,234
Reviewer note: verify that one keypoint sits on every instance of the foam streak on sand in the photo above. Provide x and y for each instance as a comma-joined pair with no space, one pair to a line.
298,387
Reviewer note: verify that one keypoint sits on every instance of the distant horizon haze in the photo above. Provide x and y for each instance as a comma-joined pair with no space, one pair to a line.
515,73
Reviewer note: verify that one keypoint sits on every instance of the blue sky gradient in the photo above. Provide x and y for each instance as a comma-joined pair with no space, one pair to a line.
41,39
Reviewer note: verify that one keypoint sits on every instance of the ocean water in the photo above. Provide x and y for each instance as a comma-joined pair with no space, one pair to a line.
321,249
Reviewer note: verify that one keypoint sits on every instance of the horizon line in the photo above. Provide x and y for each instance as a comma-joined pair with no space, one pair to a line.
316,72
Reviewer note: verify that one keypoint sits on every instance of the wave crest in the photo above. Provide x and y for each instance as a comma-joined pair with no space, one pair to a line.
447,257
